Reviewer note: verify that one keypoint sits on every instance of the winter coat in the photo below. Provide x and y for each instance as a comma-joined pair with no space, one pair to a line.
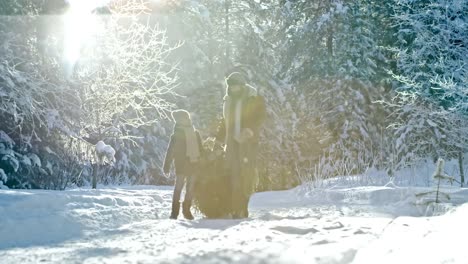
241,157
176,151
253,114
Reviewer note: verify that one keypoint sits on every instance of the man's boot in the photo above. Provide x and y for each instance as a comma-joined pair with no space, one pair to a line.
245,207
186,210
175,209
245,213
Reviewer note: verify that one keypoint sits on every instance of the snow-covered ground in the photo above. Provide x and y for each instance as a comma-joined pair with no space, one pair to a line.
338,222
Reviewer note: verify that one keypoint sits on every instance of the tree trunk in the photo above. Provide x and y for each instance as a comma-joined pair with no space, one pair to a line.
227,4
460,164
95,171
96,166
330,34
211,52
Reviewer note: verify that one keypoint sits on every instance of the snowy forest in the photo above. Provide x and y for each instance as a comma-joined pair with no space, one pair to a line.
349,85
233,131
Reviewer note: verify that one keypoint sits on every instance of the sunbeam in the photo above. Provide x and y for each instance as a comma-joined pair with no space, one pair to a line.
81,24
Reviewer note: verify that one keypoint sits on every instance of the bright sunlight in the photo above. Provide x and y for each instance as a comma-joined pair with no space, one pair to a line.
80,25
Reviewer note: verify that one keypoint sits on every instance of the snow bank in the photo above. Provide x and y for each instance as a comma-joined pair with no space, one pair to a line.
350,219
374,191
388,201
359,224
419,175
395,195
421,240
402,233
44,217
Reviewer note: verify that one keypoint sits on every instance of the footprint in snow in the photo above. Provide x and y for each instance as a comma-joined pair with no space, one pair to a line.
322,242
337,225
270,217
167,196
359,232
158,198
295,230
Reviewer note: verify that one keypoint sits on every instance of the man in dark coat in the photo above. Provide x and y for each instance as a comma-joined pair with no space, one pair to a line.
243,114
185,149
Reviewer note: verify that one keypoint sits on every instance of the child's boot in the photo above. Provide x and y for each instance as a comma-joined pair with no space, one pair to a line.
186,210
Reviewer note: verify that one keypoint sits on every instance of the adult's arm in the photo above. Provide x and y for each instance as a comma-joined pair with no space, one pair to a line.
169,155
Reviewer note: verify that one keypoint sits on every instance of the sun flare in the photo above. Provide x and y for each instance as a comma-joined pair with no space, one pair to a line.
80,25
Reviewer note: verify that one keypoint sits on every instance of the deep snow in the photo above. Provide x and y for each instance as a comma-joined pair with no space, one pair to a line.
338,222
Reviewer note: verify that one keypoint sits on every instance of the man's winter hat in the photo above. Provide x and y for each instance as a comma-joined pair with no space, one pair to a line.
180,114
235,78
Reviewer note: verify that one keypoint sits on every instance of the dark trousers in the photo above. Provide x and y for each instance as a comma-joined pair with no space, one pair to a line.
239,172
179,185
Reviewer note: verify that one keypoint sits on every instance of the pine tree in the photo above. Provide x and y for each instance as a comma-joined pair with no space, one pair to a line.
431,79
432,51
334,58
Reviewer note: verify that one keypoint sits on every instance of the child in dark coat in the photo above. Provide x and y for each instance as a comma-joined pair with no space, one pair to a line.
185,150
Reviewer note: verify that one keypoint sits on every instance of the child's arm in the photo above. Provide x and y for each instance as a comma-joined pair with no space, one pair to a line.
221,132
258,114
169,155
200,144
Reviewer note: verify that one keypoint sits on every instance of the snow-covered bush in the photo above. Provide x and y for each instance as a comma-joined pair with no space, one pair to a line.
8,160
3,179
429,110
321,67
424,130
140,160
52,121
431,51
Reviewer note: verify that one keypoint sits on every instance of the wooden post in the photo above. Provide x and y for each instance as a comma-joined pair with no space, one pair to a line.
95,169
460,165
96,166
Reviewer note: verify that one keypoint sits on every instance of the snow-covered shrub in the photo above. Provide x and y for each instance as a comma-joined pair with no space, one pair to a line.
121,86
7,142
431,52
140,160
3,179
340,130
320,66
9,162
430,106
332,58
424,130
